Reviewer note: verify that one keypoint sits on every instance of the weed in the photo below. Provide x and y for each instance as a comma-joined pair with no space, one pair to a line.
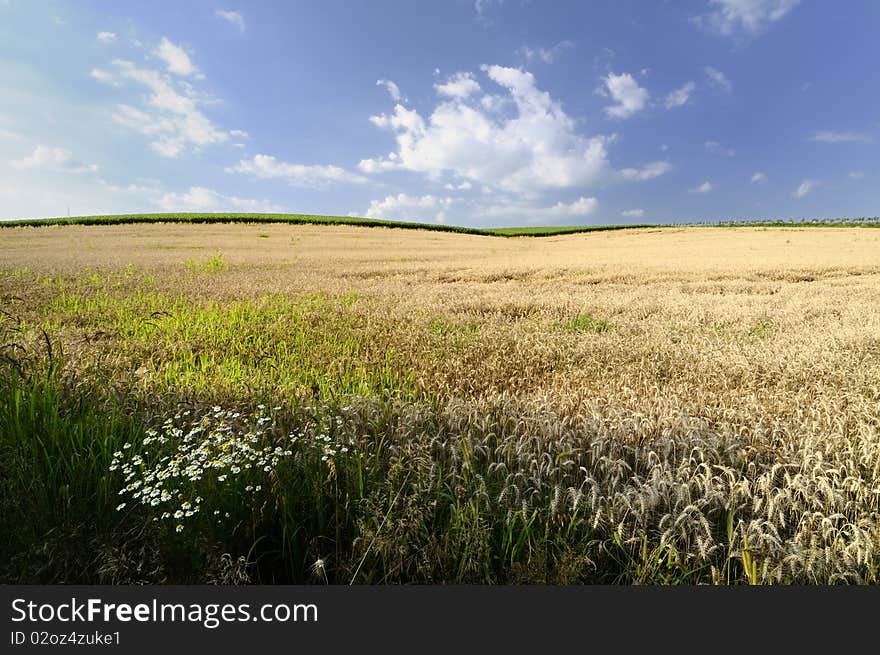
213,264
585,322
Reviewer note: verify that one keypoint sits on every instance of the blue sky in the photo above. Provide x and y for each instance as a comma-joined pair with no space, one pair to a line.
466,112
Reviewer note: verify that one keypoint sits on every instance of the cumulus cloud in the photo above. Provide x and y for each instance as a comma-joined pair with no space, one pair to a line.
93,195
705,187
232,17
718,79
175,58
504,209
392,88
106,37
680,96
53,159
856,175
758,178
633,213
406,207
748,17
718,149
203,199
829,136
804,188
172,117
547,55
561,212
652,170
628,96
459,85
532,148
301,175
105,77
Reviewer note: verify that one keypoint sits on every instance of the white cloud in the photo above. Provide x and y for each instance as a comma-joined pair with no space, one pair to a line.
580,207
718,149
505,210
758,178
680,96
480,6
393,89
464,186
647,172
371,165
547,55
459,85
9,134
629,97
27,194
829,136
203,199
412,208
516,211
718,79
751,17
705,187
106,37
31,197
176,59
805,187
533,148
53,159
633,213
105,77
302,175
45,186
857,175
172,118
241,134
232,17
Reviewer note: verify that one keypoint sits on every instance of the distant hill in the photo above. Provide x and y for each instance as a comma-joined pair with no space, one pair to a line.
312,219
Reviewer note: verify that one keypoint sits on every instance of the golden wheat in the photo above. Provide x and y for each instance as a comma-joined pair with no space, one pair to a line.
696,394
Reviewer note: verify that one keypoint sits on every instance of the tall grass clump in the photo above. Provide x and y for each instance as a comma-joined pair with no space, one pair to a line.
56,497
213,264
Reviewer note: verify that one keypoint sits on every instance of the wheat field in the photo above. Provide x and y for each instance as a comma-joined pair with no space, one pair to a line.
346,404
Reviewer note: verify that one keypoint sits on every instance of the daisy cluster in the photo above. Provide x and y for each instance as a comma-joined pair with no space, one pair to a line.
187,453
326,437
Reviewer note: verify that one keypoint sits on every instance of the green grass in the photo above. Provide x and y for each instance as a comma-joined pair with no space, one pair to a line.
213,264
585,322
276,343
56,497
